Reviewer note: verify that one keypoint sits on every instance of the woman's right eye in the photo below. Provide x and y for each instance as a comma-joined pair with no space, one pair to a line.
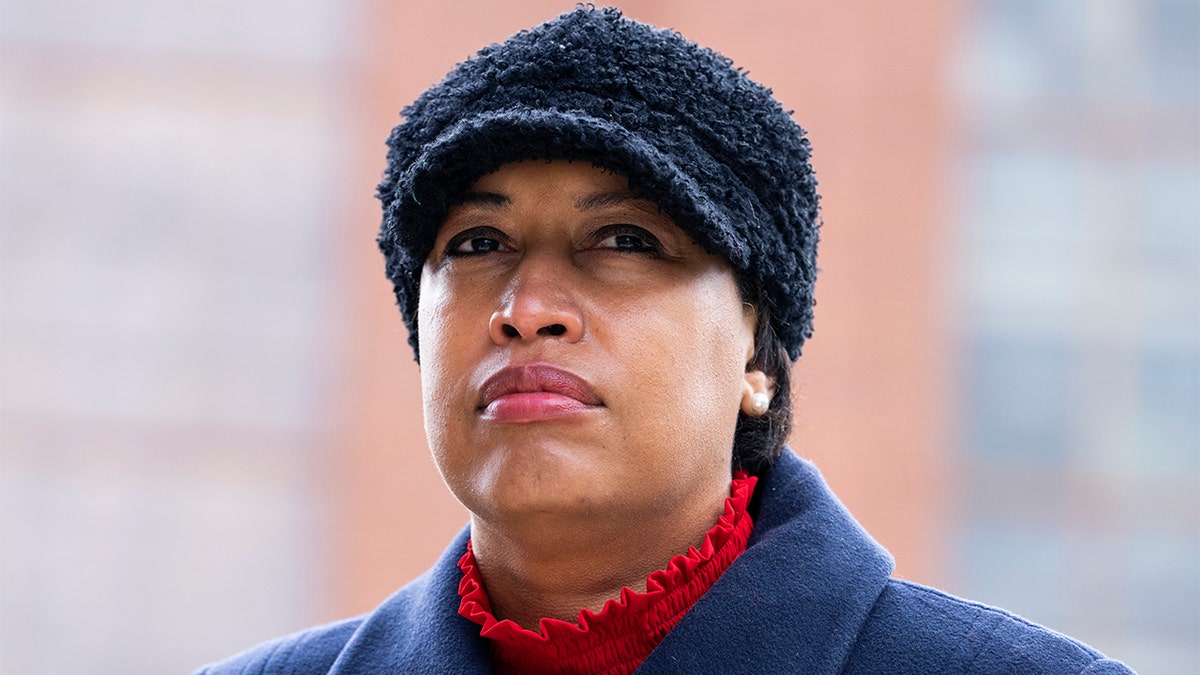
477,245
475,241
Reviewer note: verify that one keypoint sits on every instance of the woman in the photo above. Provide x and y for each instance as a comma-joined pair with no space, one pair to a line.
602,239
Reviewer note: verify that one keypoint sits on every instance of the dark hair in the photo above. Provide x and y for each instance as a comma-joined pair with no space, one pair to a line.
758,440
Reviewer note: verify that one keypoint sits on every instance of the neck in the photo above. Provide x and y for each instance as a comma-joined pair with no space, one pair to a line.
554,567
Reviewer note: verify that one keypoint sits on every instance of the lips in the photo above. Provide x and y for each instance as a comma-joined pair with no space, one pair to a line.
535,392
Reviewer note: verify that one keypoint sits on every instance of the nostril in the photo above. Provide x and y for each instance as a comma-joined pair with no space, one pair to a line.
510,331
554,329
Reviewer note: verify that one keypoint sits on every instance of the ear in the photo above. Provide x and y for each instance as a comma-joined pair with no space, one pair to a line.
757,392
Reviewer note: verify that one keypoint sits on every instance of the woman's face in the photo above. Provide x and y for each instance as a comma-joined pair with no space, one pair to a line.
579,353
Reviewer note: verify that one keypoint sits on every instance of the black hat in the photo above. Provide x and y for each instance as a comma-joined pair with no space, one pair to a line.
711,147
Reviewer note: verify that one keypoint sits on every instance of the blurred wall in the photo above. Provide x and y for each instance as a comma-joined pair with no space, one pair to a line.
1077,242
210,427
172,200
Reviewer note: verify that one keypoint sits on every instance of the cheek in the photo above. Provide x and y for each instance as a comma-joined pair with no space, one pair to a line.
444,360
448,320
434,309
431,329
713,328
690,348
715,367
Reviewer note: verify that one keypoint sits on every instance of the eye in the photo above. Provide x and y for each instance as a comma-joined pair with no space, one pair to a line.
476,245
628,238
475,241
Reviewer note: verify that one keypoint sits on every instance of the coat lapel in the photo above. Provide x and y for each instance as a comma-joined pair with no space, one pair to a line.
796,599
418,629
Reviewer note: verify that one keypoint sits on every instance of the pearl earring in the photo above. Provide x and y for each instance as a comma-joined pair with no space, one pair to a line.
759,403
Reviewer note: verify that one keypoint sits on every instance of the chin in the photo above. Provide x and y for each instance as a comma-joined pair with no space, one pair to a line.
530,482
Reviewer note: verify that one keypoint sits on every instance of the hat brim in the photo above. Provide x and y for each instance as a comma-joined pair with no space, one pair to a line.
481,143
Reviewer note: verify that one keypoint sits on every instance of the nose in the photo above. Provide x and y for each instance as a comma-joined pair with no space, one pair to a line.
538,304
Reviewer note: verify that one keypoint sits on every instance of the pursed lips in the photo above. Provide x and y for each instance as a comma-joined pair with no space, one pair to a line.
535,392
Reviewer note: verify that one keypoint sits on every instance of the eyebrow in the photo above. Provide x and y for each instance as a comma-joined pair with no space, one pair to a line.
492,201
603,200
486,200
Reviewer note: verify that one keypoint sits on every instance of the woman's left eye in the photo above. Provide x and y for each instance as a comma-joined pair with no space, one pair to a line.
629,238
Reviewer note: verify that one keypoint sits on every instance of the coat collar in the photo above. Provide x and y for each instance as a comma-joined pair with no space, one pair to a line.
418,629
799,594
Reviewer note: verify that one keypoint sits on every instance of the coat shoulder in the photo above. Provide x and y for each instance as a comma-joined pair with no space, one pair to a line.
308,652
916,629
417,629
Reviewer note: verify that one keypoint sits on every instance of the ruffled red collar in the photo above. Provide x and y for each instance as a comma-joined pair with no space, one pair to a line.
626,630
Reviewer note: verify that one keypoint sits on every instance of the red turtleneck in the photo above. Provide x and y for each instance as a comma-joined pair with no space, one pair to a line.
626,630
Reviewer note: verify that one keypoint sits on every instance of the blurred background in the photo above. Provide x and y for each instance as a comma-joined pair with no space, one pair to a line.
210,429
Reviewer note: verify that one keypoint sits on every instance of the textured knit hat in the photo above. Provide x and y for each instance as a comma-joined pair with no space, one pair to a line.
711,147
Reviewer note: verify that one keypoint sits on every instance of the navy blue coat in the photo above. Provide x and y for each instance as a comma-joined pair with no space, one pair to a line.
811,594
